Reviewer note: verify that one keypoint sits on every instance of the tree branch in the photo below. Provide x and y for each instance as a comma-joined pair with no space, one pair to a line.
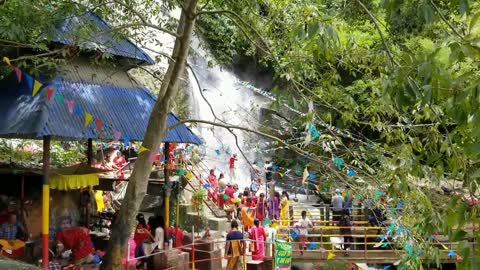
26,57
445,20
145,22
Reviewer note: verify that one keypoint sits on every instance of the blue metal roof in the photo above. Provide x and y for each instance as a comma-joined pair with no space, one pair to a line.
102,37
124,109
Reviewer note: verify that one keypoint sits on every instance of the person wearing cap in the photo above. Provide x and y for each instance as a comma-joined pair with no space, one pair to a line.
337,205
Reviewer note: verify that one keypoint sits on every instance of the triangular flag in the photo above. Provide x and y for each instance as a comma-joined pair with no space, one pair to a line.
330,255
6,60
49,93
60,99
70,105
189,176
116,135
142,149
181,172
305,174
98,123
29,81
78,110
36,86
152,156
88,118
322,250
18,72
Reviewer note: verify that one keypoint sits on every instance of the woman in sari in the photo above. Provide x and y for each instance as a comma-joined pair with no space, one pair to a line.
284,209
247,214
273,212
257,234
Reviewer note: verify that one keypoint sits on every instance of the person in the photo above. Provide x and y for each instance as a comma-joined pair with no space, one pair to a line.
142,235
234,247
273,210
77,239
345,225
119,161
9,233
348,198
231,166
337,205
247,214
158,233
303,224
221,190
261,208
284,209
257,234
213,189
128,259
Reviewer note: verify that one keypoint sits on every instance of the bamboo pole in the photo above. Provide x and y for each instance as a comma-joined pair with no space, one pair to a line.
45,201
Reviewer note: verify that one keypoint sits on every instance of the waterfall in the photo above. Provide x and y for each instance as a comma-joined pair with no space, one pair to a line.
232,103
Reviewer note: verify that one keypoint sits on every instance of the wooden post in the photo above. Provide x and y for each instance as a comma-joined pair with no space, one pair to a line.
365,243
167,207
45,201
193,247
89,151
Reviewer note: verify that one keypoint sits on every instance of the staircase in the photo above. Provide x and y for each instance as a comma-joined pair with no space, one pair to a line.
213,217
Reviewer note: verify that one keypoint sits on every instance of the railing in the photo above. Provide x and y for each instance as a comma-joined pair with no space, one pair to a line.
298,254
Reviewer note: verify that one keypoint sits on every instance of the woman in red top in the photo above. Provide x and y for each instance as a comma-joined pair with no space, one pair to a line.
76,239
142,234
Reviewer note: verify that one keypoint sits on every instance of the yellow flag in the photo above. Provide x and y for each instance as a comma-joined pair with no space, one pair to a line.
36,86
88,118
330,255
6,60
142,149
188,175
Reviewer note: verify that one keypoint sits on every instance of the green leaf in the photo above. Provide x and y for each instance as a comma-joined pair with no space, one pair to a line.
474,21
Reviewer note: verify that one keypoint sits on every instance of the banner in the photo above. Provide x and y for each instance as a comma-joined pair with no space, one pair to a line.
283,255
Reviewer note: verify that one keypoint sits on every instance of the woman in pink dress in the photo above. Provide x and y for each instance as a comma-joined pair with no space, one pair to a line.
213,189
130,254
257,234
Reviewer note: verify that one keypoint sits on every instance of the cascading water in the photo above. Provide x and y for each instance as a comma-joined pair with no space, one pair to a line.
232,103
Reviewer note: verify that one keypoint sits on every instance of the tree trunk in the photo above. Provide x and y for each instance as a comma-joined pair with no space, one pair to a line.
156,131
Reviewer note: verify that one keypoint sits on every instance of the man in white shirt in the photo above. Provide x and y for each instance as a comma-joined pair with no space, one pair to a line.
303,224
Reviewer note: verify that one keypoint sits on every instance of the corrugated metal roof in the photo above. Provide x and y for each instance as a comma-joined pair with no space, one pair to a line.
102,37
124,109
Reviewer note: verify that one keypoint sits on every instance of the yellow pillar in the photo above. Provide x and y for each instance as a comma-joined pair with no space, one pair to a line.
45,201
167,212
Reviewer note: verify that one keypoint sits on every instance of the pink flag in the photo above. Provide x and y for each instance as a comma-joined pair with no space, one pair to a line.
116,135
152,156
49,93
98,123
70,105
19,73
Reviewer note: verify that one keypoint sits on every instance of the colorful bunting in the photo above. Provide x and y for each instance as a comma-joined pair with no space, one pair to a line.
206,186
312,176
49,93
88,118
181,172
294,235
6,60
142,149
351,173
152,157
116,135
36,86
387,267
338,162
260,164
60,99
217,151
451,253
29,81
18,72
409,248
225,197
98,124
312,245
331,255
126,139
70,104
78,110
378,193
189,175
267,221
